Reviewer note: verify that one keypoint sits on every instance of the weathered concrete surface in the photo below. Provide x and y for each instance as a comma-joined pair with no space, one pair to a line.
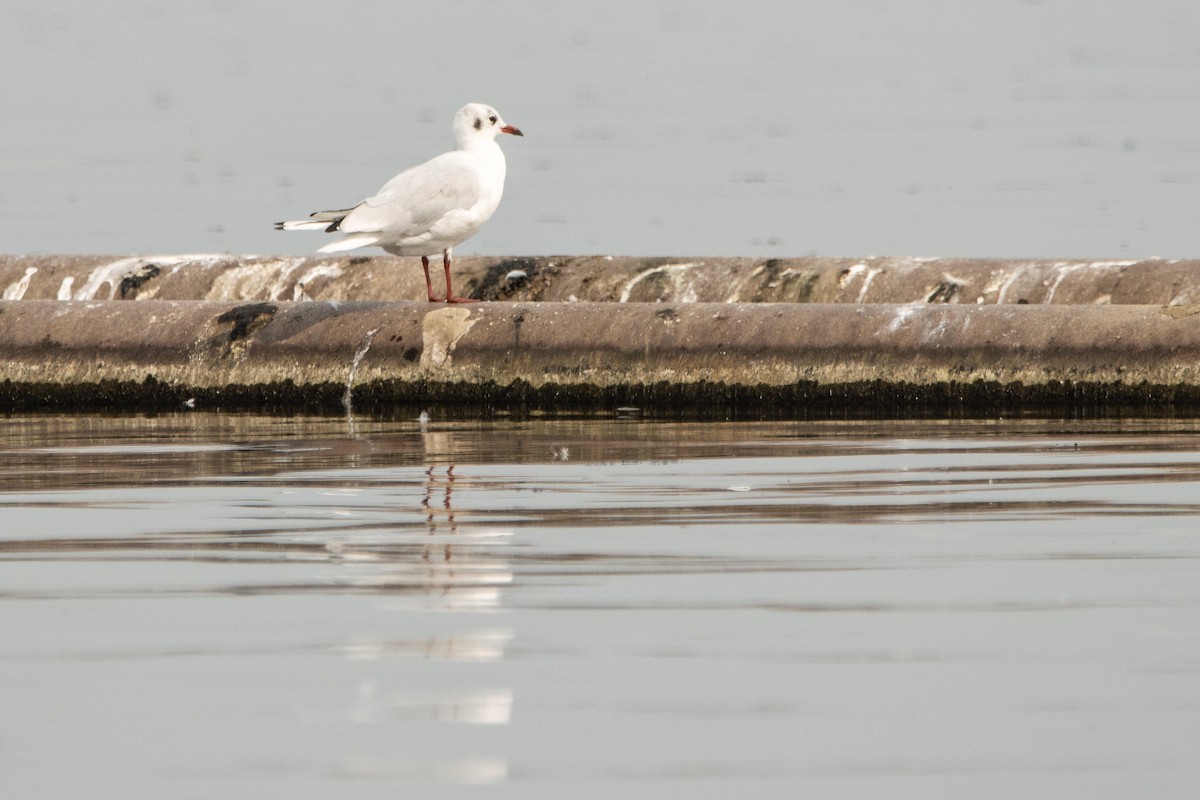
795,358
595,278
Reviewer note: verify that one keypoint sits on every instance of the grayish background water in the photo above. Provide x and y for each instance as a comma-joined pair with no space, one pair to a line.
242,607
931,127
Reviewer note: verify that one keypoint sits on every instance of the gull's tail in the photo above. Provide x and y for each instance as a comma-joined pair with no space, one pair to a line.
330,221
327,221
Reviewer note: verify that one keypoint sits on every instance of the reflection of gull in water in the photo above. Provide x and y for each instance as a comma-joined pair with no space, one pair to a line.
450,564
432,484
445,558
441,770
472,646
466,581
487,707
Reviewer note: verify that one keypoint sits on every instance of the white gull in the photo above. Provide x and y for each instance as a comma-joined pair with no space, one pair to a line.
429,208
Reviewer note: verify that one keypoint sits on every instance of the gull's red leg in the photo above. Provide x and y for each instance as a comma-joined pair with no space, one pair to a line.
429,283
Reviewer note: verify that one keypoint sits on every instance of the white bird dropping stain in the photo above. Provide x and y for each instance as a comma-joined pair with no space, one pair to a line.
16,291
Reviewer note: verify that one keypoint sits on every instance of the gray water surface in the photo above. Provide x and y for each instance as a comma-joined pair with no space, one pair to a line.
237,606
1025,128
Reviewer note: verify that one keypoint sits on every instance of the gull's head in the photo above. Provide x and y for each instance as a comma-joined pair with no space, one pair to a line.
476,121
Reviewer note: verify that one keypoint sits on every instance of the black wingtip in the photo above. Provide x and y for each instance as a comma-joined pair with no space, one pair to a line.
279,226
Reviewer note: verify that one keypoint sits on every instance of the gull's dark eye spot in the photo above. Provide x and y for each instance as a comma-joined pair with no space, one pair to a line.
492,119
478,123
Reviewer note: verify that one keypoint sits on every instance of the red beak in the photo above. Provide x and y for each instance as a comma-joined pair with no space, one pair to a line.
512,130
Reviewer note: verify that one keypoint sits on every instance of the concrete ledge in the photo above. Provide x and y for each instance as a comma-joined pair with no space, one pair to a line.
601,279
795,359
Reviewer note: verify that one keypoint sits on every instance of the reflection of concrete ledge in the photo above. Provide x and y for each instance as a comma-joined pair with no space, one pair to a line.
812,358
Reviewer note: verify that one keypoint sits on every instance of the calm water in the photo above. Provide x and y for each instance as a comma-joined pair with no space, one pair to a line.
244,607
1029,128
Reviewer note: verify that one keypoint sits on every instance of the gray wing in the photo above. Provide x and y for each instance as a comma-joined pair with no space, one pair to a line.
415,200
